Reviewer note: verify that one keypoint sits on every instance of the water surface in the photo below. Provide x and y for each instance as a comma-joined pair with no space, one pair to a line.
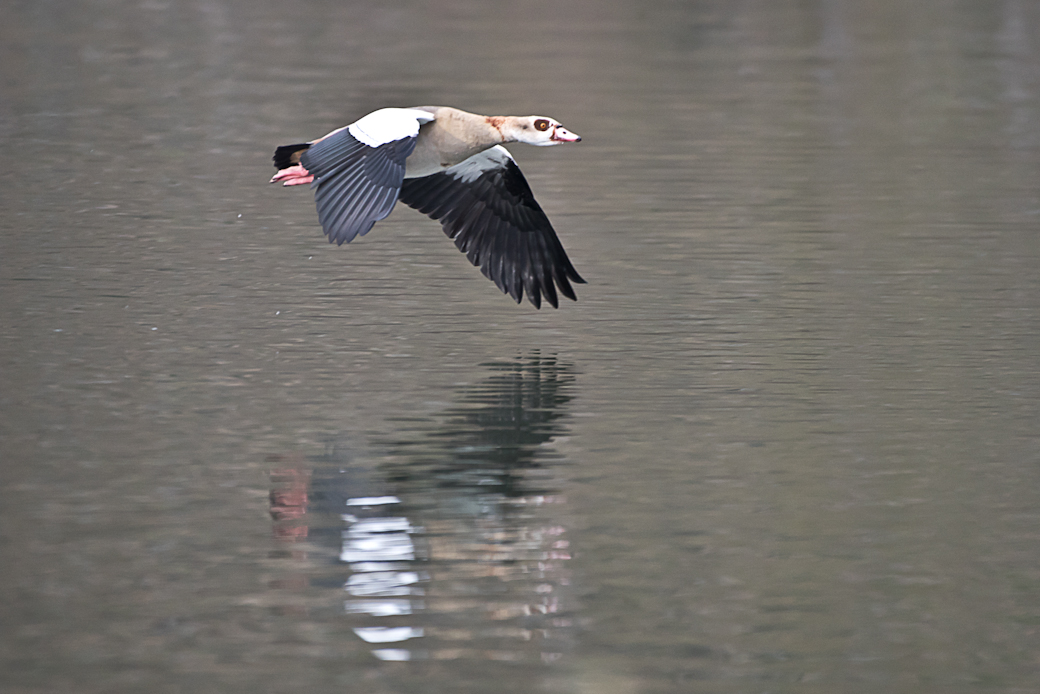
785,441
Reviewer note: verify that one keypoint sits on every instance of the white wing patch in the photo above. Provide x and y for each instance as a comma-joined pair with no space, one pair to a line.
388,125
470,169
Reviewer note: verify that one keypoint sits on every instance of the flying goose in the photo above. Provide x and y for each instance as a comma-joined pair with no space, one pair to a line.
450,165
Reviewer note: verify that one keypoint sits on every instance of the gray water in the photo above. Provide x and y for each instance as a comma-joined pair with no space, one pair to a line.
786,440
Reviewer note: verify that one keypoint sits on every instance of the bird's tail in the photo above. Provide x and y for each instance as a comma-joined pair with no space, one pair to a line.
289,155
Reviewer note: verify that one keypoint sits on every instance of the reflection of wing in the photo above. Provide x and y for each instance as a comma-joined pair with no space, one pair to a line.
498,430
519,411
486,206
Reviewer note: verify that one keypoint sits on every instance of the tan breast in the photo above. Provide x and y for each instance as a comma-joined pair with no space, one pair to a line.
452,137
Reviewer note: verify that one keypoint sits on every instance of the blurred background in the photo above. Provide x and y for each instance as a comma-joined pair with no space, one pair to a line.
786,440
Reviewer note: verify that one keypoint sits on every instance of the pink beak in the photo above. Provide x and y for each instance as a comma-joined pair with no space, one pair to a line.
562,134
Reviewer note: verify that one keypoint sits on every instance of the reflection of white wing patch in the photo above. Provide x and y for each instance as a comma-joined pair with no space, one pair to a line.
373,501
378,539
380,608
388,634
470,170
388,125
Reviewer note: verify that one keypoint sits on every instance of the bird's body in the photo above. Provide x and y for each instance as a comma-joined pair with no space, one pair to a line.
450,165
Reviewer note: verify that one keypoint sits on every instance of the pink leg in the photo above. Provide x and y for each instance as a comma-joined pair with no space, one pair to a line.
293,176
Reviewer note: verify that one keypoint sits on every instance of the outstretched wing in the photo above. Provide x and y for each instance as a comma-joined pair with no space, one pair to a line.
486,206
358,170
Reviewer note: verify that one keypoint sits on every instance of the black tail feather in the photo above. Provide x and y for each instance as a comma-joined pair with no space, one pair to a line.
289,155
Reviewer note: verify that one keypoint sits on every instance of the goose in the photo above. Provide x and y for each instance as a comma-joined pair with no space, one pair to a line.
450,165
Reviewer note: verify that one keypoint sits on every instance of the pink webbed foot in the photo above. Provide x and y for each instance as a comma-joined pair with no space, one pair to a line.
293,176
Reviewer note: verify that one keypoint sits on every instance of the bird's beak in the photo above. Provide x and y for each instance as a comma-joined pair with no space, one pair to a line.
562,134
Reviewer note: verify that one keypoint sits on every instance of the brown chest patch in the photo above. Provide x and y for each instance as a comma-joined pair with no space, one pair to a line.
496,122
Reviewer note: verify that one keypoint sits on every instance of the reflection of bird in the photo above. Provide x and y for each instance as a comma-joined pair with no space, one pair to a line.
450,165
457,542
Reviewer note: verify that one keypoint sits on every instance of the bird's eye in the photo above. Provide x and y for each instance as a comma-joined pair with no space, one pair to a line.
541,124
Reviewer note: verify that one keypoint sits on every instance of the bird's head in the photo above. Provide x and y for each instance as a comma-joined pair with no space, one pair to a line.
540,131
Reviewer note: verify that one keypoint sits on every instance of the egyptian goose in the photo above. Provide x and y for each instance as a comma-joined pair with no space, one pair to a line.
450,165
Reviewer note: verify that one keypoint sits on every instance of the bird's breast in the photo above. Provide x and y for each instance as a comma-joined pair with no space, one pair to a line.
437,149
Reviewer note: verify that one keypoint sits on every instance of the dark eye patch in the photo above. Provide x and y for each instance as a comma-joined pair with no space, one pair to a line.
541,124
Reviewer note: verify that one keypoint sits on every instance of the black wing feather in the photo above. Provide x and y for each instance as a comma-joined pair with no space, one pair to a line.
490,213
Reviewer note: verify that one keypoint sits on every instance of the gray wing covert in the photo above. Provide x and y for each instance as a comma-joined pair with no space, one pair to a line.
356,184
